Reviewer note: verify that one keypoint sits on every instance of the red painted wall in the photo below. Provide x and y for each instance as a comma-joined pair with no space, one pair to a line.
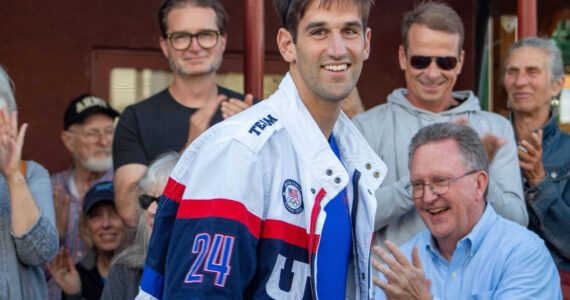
47,46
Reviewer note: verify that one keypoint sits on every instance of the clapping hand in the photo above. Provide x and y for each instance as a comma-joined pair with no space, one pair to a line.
62,269
491,142
530,159
405,280
11,143
234,106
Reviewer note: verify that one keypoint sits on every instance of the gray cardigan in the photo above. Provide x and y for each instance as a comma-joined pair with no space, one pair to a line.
21,257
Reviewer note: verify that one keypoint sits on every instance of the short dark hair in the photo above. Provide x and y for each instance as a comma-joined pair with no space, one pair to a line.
168,5
436,16
292,11
471,151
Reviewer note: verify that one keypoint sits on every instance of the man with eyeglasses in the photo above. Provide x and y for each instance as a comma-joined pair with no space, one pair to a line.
88,126
431,57
468,251
193,40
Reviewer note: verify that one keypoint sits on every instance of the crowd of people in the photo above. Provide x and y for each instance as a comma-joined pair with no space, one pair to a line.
304,195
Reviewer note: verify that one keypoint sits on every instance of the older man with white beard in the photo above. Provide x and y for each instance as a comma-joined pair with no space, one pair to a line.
88,136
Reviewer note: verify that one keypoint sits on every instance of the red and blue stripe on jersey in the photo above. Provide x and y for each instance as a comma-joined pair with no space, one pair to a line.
215,247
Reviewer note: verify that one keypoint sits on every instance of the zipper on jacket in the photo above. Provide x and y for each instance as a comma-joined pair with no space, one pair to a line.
314,216
355,180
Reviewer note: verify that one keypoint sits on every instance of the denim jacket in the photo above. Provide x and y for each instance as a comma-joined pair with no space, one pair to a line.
548,203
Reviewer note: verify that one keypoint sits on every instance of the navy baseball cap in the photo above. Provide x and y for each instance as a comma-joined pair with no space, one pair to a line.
100,192
83,106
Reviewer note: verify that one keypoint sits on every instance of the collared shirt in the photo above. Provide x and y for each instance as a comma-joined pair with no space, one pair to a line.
498,259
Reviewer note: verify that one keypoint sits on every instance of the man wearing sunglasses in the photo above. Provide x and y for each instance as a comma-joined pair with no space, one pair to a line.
193,40
431,57
468,251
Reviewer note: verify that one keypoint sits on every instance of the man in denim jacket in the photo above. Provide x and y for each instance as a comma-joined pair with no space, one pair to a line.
534,75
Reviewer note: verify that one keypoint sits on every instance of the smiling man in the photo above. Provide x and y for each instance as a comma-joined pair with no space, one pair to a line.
431,57
88,127
468,251
193,39
278,202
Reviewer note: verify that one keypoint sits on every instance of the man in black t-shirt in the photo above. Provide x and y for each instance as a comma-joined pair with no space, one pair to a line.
193,40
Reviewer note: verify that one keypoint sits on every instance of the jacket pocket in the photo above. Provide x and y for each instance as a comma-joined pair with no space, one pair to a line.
558,174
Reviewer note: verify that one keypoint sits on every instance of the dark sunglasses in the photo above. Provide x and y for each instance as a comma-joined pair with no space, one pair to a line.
146,200
443,62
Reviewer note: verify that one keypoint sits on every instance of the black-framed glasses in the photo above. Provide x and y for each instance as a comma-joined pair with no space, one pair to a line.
146,200
206,39
438,186
421,62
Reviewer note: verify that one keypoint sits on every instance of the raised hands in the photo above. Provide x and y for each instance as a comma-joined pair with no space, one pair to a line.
25,211
200,120
62,269
11,143
491,142
405,280
234,106
530,159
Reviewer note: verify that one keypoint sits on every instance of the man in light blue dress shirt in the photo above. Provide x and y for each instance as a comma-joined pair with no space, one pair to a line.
468,251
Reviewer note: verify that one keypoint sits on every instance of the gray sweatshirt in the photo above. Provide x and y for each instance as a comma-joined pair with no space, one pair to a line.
389,128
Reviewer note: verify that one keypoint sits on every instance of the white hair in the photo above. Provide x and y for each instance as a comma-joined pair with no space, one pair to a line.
6,91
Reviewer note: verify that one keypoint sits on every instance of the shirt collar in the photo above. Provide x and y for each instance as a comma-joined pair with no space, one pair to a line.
475,237
483,226
549,130
353,149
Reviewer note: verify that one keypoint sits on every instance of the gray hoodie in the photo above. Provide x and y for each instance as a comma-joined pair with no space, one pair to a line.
389,128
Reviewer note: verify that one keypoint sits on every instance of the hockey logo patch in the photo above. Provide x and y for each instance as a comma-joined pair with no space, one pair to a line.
292,196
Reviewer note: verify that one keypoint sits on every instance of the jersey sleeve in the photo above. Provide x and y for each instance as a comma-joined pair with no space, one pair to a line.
207,226
127,142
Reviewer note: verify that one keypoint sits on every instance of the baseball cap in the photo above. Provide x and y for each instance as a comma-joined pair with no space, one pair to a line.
100,192
83,106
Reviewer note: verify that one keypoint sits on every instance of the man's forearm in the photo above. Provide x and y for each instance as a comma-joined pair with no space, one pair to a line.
126,191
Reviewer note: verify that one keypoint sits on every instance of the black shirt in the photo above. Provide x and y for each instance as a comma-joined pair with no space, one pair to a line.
154,126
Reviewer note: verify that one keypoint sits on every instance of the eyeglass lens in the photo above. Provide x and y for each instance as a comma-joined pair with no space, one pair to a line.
443,62
183,40
93,136
438,187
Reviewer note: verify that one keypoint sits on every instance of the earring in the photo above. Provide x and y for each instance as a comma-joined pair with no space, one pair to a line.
554,102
